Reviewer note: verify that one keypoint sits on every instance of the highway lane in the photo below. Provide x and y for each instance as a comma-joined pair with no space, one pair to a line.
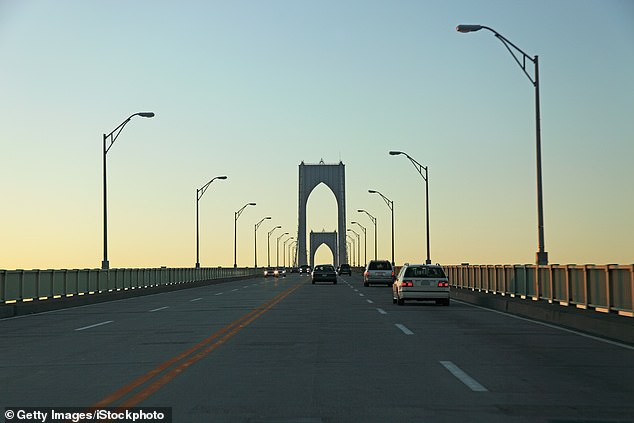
286,350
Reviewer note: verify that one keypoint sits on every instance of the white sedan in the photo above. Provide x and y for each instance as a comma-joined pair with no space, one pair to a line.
421,282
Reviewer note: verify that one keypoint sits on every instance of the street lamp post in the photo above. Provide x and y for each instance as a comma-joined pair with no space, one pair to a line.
268,245
284,251
290,250
351,243
390,205
255,237
277,250
199,195
105,264
365,242
373,219
358,245
541,257
419,167
235,233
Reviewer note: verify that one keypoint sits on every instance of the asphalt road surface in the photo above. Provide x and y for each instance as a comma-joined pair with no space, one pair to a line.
284,350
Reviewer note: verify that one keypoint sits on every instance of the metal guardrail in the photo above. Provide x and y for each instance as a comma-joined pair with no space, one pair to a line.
29,285
608,288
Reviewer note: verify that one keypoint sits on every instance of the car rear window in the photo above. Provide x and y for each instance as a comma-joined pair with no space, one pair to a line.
424,272
380,265
324,268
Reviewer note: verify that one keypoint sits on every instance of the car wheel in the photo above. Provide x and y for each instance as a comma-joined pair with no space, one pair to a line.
393,300
313,282
400,301
366,284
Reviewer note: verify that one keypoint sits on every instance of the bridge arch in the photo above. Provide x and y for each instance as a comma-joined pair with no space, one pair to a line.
333,176
317,239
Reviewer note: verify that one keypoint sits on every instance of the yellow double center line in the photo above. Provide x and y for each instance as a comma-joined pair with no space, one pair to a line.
153,380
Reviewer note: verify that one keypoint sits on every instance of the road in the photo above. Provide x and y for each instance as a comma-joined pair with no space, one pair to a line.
269,350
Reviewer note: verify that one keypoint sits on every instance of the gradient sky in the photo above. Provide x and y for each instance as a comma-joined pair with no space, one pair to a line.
249,89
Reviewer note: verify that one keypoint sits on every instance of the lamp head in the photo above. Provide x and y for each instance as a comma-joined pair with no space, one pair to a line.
371,191
146,114
360,210
468,28
267,217
221,177
395,153
251,204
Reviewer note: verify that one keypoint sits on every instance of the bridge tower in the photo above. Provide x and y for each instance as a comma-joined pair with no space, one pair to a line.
334,177
323,237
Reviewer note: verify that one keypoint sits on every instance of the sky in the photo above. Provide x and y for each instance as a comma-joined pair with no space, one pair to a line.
250,89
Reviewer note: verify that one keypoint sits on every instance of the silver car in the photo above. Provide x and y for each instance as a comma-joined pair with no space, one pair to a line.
421,282
378,271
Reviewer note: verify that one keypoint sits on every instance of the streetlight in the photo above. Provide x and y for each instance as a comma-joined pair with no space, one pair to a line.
365,241
358,245
235,233
199,195
268,245
390,205
277,250
352,243
255,232
113,137
284,251
541,257
373,219
419,167
291,262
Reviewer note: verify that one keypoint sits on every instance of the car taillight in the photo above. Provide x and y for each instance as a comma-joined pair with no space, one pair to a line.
408,283
443,284
392,273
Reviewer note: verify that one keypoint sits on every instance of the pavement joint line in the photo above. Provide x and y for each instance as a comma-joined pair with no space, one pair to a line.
380,310
404,329
548,325
95,325
473,384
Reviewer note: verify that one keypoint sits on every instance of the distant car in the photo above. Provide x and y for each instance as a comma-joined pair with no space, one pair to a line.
294,269
344,269
304,269
269,271
280,272
421,282
378,271
324,273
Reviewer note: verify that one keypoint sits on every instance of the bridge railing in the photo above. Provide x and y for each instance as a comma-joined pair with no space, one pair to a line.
29,285
608,288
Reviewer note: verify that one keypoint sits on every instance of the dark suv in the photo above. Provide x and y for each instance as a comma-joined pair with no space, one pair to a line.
344,268
378,271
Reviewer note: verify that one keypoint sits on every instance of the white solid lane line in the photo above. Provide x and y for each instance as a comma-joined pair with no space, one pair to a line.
463,377
95,325
404,329
158,309
380,310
